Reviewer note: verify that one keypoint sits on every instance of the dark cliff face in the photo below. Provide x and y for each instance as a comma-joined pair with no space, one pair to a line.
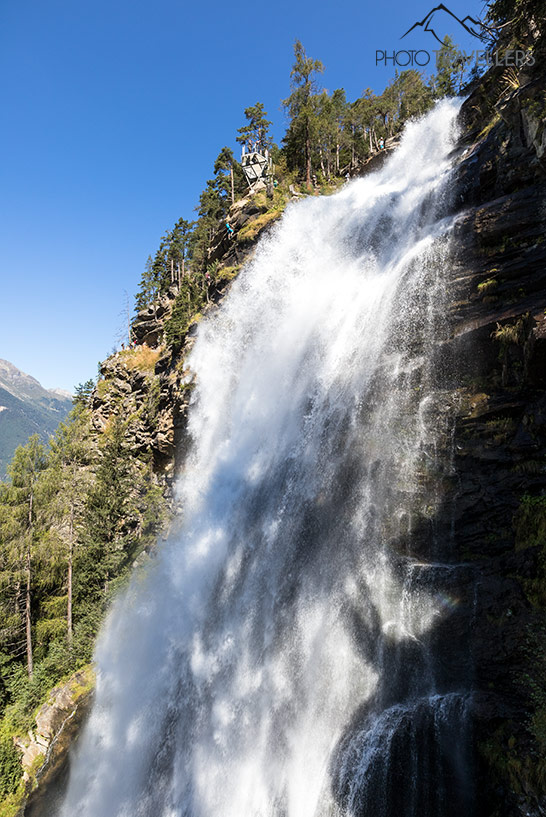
495,363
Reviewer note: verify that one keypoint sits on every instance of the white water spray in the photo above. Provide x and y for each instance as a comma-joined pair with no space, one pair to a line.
285,623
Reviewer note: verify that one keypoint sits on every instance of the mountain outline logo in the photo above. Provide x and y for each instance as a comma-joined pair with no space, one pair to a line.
466,23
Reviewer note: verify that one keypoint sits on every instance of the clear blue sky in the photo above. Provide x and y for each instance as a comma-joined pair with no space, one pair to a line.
113,113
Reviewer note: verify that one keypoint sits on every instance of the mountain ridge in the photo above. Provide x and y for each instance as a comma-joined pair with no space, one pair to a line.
26,408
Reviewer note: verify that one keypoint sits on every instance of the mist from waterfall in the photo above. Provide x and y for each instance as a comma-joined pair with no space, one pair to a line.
278,658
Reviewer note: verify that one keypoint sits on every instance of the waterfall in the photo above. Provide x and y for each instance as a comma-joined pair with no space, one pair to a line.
285,654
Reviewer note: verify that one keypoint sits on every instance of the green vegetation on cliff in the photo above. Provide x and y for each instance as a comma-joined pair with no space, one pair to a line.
73,518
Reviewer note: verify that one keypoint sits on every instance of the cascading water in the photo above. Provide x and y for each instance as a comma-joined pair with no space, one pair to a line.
281,656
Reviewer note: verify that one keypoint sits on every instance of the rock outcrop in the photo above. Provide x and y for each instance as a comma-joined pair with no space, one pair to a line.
45,748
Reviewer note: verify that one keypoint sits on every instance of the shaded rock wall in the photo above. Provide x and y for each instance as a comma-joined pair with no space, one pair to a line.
45,756
495,360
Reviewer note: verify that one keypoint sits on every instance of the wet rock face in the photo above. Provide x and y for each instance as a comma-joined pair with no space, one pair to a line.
45,755
53,719
497,354
384,776
47,798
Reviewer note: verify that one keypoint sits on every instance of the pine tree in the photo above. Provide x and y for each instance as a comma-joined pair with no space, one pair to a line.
82,394
69,479
12,628
326,132
223,172
177,249
359,125
256,131
302,108
115,523
168,265
27,463
450,69
211,210
413,96
160,269
386,105
149,286
520,24
367,115
339,106
108,499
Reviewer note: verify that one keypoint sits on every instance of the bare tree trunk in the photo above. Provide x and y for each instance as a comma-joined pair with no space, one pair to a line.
28,628
127,313
69,630
232,184
308,162
28,621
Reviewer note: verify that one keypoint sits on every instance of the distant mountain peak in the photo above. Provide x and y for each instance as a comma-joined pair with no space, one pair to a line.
26,408
24,386
13,379
61,393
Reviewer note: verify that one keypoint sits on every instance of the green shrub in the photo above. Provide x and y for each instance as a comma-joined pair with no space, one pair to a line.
530,522
10,767
487,286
